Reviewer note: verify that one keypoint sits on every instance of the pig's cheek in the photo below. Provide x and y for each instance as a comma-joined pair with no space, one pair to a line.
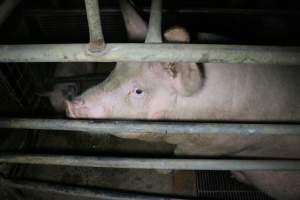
137,102
161,107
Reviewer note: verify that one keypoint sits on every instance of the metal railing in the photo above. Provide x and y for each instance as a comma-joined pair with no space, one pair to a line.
126,128
151,163
149,53
97,51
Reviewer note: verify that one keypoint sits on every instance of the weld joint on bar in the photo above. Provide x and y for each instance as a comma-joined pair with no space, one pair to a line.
96,46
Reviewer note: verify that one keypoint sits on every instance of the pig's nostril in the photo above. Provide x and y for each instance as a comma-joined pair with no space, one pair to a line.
78,101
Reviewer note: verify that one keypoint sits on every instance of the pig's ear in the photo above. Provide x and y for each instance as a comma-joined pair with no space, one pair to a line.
187,78
177,34
135,25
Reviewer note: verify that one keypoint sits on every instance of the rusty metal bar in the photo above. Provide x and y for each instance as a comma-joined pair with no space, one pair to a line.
94,22
150,163
6,8
126,128
154,28
149,52
76,191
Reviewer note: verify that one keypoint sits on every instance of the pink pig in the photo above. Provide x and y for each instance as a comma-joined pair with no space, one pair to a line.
188,91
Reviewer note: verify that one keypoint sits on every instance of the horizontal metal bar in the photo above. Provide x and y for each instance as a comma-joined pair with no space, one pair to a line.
6,7
125,128
150,163
94,22
151,52
76,191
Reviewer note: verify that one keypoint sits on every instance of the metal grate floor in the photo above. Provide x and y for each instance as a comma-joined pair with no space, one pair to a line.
220,185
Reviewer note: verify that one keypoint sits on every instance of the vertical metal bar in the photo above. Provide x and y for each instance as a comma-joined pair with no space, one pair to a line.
154,30
6,8
94,22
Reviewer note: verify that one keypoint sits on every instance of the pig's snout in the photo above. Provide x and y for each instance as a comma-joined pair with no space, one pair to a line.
77,108
77,101
72,107
69,109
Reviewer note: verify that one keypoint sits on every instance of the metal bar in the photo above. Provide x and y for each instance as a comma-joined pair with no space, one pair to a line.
149,52
94,22
150,163
154,28
76,191
6,8
126,128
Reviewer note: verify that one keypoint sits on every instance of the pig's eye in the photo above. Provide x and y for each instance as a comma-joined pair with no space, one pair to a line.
138,96
138,91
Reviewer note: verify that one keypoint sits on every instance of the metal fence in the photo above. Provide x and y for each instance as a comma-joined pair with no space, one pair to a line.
99,51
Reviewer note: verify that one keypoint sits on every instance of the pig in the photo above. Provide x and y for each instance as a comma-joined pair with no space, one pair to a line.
189,91
67,91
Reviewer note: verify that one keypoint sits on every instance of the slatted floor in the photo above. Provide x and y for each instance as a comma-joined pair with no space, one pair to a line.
220,185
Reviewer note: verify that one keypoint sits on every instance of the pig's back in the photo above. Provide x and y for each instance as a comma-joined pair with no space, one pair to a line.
251,92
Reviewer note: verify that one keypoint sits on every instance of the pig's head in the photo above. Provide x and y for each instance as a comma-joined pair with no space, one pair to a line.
139,90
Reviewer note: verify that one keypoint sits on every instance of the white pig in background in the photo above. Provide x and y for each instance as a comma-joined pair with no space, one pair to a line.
67,91
186,91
